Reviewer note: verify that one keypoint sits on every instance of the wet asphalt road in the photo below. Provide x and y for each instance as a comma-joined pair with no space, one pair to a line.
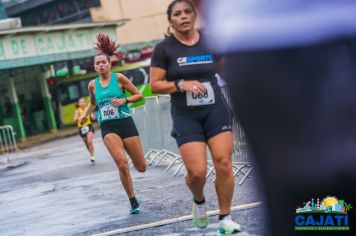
59,192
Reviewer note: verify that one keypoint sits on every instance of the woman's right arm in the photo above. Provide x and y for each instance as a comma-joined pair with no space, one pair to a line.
158,84
158,72
92,103
76,115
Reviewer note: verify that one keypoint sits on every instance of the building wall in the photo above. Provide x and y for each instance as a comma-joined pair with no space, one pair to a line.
148,20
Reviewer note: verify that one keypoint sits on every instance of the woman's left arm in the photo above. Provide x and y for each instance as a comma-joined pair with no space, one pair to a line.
126,83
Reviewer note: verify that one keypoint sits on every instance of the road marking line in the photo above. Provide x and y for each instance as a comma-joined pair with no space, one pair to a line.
171,221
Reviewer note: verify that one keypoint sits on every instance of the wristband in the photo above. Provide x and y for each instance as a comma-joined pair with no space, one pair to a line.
179,85
127,100
176,84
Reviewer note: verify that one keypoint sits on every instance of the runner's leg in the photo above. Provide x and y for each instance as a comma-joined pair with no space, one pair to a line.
194,158
221,149
133,147
89,143
116,148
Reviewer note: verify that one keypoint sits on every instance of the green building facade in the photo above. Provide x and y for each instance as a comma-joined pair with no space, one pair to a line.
26,63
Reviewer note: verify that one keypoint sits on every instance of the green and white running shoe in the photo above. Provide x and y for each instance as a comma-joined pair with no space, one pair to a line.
200,218
228,226
135,210
135,206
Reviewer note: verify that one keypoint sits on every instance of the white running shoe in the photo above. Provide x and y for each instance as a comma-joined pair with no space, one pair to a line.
200,218
228,226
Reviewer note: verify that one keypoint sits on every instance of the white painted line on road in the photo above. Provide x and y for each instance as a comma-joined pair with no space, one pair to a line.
172,221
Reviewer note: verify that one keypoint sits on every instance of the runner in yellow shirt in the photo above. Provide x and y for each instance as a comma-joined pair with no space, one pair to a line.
86,130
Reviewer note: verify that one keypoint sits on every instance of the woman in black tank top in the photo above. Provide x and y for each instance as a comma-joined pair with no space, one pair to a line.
182,66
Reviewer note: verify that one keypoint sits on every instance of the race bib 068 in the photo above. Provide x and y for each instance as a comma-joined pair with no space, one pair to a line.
109,112
201,99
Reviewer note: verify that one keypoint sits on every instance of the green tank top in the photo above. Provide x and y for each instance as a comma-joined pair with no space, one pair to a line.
103,97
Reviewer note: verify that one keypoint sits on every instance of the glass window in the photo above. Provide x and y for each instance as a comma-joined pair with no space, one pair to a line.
84,87
73,92
29,19
47,14
65,8
69,93
86,4
85,64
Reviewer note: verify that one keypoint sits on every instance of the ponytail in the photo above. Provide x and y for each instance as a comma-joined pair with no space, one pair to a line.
168,32
106,46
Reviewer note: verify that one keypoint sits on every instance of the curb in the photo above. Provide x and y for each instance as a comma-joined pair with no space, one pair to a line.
47,137
26,145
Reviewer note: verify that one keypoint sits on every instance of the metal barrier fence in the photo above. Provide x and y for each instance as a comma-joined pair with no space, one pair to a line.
154,123
7,141
242,164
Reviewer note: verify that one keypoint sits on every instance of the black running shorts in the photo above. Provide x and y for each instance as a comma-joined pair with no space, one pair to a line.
200,123
125,128
84,130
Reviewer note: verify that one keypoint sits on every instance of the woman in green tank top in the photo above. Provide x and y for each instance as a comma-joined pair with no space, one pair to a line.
118,130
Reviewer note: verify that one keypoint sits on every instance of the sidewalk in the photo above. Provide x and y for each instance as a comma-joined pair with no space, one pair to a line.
32,141
35,140
38,139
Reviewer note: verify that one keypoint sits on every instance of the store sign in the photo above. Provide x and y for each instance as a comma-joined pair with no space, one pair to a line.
40,44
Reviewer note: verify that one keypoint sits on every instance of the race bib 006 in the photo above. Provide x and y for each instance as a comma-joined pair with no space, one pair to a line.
201,99
109,112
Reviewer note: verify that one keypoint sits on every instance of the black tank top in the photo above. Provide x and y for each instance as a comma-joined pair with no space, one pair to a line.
180,61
